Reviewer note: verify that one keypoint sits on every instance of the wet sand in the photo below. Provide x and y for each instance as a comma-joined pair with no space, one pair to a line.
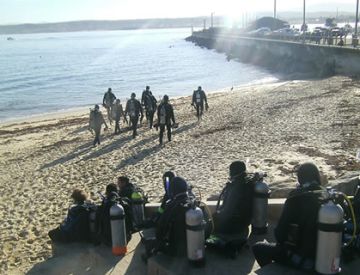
274,127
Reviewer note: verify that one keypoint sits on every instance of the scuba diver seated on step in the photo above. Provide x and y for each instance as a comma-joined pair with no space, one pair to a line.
136,199
296,231
171,227
233,217
75,227
103,215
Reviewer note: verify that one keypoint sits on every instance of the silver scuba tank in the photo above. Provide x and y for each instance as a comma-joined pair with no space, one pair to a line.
118,230
260,205
330,227
138,211
92,222
195,235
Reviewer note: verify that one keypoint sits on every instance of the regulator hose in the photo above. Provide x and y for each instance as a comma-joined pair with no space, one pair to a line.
207,210
352,217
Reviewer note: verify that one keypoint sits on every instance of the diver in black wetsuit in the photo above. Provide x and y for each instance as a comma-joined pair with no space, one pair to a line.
165,113
296,231
134,109
171,226
108,102
198,100
235,213
149,102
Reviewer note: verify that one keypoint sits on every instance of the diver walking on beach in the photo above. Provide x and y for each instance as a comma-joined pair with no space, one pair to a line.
117,112
134,109
95,122
198,100
149,102
165,113
108,102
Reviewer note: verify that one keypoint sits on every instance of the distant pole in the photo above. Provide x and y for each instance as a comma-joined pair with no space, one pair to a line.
212,19
204,24
357,18
274,8
304,22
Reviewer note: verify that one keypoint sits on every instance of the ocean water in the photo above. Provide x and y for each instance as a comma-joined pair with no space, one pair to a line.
41,73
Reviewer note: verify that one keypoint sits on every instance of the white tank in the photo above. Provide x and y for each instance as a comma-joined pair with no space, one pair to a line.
195,235
118,230
260,205
329,236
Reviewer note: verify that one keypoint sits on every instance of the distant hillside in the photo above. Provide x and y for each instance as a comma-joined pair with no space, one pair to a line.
93,25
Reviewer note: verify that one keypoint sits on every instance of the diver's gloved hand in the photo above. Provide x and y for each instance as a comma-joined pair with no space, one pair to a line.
206,106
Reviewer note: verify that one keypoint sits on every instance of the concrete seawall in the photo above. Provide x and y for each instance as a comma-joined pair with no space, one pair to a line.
283,56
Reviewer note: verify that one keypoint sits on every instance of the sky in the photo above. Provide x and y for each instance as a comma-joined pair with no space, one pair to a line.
41,11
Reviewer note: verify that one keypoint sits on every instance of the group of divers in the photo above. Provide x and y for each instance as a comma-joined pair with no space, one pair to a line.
135,111
317,230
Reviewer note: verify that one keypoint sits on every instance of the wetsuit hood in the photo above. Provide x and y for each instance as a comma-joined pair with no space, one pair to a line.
237,168
308,173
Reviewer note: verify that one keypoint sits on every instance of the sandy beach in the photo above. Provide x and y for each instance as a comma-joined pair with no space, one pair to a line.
274,127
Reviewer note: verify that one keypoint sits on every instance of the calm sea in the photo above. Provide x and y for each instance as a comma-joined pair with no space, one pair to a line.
41,73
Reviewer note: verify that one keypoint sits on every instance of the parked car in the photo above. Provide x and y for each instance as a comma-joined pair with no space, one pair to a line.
260,32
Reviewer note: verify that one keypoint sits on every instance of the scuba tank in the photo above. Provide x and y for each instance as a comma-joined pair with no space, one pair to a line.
137,207
132,111
330,227
92,221
195,235
162,119
118,230
198,97
260,204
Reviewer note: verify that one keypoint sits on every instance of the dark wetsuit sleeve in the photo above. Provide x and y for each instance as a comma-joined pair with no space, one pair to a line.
104,99
204,96
193,98
172,116
281,230
140,109
102,119
158,112
143,98
126,108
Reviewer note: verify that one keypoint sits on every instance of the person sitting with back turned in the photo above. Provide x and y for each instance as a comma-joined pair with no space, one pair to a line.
296,231
171,226
103,215
75,228
166,179
233,217
235,213
165,113
135,198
